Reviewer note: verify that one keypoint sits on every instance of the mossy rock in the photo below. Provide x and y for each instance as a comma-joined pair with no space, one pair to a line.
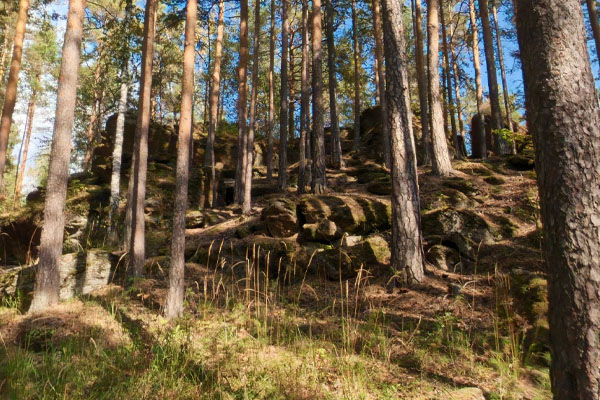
446,198
370,176
477,170
325,231
508,228
442,257
520,163
494,180
280,218
336,264
374,250
462,185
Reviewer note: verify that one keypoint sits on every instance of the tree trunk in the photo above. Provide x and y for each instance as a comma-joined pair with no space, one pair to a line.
10,95
25,148
481,150
174,305
593,14
246,206
505,91
380,81
356,143
283,97
242,106
336,146
47,280
440,156
95,117
407,249
501,146
319,181
137,251
215,85
304,101
6,46
449,86
422,84
271,122
455,75
292,92
563,117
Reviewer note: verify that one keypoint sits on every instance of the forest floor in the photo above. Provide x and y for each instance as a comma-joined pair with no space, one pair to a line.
475,332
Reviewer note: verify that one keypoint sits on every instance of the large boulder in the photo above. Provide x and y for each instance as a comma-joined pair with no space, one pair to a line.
325,231
280,218
373,251
442,257
355,215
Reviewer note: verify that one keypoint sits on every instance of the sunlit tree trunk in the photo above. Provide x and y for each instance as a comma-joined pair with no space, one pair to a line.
25,148
304,101
292,92
380,81
319,181
564,120
242,106
422,84
174,305
505,91
356,143
407,250
456,77
10,95
271,122
47,280
138,241
213,119
440,156
246,206
449,86
481,151
93,124
336,147
283,98
501,146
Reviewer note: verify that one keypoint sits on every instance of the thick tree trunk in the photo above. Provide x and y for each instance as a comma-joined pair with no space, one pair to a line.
380,82
501,146
593,14
209,153
242,106
137,252
24,148
10,95
174,306
407,250
283,98
319,181
422,84
304,101
246,206
336,147
563,117
271,122
356,143
449,86
481,151
440,156
505,91
47,280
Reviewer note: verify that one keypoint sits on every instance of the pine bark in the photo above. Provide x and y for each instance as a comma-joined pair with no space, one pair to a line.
93,124
10,94
505,91
481,151
319,181
593,16
380,82
138,241
336,147
407,250
174,305
501,146
304,101
271,117
242,106
213,118
283,97
355,43
440,156
25,148
422,84
563,117
457,96
246,206
47,280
